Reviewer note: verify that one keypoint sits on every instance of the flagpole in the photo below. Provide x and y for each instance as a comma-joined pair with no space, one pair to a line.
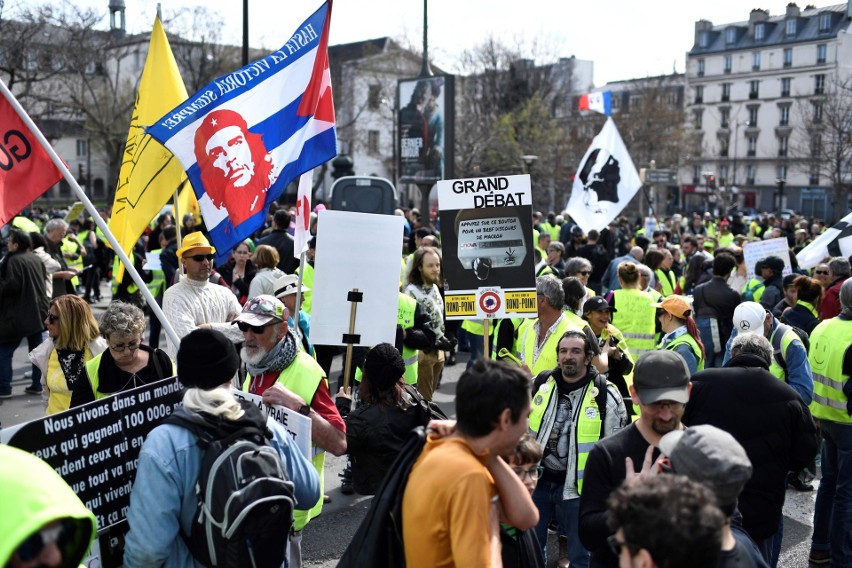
81,195
299,294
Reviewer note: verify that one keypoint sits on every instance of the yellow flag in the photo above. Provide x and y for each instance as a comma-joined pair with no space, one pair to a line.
187,203
149,174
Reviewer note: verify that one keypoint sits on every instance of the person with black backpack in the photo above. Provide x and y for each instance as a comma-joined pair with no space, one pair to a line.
217,483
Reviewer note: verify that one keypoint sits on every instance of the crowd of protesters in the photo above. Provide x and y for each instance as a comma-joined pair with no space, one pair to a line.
629,318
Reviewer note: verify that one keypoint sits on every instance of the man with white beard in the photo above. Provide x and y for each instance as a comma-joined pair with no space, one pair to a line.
285,375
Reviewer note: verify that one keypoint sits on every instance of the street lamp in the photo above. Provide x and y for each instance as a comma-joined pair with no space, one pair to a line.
529,160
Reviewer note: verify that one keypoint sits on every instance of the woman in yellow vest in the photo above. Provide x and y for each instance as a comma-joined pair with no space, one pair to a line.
597,312
73,339
127,363
635,317
660,261
681,332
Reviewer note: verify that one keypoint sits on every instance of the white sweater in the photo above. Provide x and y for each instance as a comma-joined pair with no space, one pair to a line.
189,303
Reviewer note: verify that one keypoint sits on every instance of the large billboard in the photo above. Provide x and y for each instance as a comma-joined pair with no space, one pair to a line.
425,129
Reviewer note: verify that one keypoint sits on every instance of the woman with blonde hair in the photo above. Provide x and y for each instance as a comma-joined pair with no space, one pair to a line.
266,260
635,316
73,339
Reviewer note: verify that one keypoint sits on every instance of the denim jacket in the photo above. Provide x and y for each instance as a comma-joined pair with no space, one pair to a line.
163,499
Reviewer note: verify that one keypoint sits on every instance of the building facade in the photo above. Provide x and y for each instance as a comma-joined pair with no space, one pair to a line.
757,90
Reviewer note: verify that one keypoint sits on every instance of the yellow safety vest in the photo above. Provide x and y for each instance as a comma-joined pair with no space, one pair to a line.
93,366
405,319
588,423
69,246
779,349
636,318
547,359
307,280
25,224
303,377
688,340
158,278
666,280
829,342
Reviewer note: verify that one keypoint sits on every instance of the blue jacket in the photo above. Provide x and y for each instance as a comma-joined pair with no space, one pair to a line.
799,374
163,499
610,276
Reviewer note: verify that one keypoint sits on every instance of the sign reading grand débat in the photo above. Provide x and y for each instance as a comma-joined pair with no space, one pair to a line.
486,234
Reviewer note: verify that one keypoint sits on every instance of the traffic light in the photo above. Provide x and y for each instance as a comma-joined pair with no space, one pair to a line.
711,181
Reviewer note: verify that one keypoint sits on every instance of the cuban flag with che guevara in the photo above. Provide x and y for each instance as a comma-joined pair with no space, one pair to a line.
245,136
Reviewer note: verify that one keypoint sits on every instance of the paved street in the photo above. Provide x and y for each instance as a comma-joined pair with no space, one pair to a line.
326,537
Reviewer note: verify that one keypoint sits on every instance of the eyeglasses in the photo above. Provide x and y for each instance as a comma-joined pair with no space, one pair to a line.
256,329
201,257
824,272
534,473
616,545
61,534
52,318
132,346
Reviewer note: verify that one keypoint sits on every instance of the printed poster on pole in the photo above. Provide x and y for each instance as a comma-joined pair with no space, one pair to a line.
486,241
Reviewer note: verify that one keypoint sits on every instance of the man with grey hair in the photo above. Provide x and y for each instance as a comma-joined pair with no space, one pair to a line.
54,231
838,272
610,277
771,422
647,281
831,361
538,338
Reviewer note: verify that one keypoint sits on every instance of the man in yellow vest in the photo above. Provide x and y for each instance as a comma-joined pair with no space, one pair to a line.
572,408
789,356
538,338
285,375
832,405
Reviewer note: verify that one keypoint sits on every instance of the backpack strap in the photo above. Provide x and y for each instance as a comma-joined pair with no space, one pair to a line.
540,379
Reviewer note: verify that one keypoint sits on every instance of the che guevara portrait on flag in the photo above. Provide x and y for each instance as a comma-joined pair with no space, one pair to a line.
235,165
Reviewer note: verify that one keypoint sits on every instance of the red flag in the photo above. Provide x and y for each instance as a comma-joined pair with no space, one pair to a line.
26,171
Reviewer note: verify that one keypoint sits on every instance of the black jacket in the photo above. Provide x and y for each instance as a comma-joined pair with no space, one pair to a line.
771,422
23,296
800,317
283,243
716,300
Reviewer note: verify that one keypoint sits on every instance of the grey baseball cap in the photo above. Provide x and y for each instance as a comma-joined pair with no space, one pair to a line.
661,375
712,457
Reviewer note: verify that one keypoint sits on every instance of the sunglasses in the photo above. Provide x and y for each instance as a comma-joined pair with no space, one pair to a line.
256,329
585,272
824,272
52,318
201,257
61,534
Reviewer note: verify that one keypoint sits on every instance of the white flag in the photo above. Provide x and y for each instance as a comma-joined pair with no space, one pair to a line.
606,181
302,234
836,241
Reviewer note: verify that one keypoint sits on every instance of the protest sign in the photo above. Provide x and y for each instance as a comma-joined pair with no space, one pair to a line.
297,424
486,237
356,251
94,448
758,250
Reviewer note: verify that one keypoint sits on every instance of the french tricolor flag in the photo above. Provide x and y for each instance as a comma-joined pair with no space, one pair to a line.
245,136
599,102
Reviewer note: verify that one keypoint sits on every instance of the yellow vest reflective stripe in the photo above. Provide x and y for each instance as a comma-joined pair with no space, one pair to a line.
588,423
547,356
688,340
779,349
158,280
829,342
636,318
666,280
303,377
405,318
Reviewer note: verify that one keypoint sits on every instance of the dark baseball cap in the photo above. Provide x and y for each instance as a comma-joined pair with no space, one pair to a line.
711,457
597,304
661,375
